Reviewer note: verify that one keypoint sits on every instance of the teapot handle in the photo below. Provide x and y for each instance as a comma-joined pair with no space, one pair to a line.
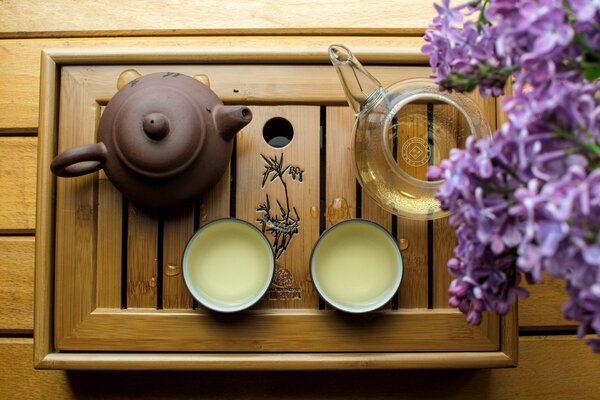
66,164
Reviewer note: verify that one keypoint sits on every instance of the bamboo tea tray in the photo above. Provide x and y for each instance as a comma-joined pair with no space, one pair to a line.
109,289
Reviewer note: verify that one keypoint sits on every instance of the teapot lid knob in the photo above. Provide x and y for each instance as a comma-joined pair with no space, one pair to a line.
156,126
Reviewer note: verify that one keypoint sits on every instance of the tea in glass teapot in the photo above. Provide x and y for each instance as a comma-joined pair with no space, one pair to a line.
387,152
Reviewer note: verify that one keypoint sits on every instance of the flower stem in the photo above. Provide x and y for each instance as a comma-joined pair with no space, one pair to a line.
592,148
482,20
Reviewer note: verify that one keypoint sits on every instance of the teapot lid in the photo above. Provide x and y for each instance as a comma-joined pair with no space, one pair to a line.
155,125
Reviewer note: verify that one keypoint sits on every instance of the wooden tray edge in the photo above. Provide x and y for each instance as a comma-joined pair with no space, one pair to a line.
44,356
273,361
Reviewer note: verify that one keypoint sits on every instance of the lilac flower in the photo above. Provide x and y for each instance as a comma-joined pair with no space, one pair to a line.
528,202
532,39
585,10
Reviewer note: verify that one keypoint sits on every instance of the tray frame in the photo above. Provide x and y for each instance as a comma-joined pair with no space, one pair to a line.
46,356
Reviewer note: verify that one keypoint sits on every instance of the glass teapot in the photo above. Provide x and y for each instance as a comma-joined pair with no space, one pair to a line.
397,135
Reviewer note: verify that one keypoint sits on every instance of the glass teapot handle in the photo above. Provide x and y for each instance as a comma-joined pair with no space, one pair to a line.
80,160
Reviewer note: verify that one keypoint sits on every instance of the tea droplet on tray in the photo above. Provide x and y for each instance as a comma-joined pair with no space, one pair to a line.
314,212
403,243
172,270
338,211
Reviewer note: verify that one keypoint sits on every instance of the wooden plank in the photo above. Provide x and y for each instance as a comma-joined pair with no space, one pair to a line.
215,204
44,290
136,17
509,334
76,213
282,331
280,188
412,235
20,65
142,261
109,246
552,367
245,362
340,177
443,249
19,380
372,212
16,285
17,184
109,236
178,228
543,308
446,133
243,84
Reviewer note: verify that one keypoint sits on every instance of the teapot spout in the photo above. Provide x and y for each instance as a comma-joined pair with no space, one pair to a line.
231,119
362,90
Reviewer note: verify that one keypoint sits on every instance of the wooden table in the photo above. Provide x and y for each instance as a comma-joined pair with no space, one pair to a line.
552,363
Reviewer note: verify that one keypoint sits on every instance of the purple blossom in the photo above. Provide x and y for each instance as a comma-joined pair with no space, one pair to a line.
532,39
528,202
585,10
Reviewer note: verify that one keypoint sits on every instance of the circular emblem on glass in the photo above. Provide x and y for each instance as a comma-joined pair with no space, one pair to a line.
416,152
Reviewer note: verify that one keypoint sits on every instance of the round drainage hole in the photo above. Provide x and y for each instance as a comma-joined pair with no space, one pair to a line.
278,132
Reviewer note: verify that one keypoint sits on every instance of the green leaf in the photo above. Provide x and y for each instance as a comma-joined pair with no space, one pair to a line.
591,71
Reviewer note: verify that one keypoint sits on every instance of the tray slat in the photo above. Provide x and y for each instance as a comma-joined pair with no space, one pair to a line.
76,213
178,227
142,257
444,239
110,236
372,212
340,180
411,233
278,190
216,203
340,197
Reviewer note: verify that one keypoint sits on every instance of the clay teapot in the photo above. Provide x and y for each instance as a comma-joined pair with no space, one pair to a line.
164,138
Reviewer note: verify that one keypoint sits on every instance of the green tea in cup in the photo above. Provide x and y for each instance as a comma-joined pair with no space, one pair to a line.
228,265
356,266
